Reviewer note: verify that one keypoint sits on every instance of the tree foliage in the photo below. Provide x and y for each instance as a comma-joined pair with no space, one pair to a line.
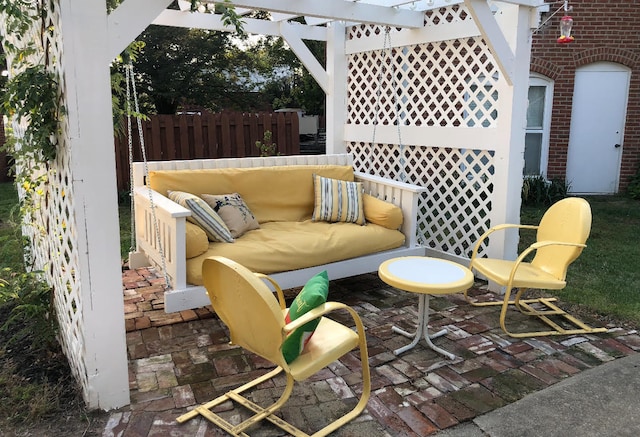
192,67
297,88
186,69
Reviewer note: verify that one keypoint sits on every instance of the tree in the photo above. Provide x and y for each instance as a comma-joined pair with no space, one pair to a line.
297,88
193,68
189,67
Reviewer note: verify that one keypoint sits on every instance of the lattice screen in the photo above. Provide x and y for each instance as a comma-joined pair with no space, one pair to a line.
444,84
52,228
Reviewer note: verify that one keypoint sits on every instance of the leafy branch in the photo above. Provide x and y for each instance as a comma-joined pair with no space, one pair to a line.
226,8
32,95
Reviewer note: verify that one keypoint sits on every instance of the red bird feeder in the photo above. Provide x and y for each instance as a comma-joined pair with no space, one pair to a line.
566,23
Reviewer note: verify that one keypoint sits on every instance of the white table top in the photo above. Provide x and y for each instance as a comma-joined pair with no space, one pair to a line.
427,275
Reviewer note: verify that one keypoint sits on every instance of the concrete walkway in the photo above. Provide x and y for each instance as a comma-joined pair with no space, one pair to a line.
499,386
599,402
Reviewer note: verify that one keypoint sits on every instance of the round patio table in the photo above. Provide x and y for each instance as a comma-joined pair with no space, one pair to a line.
425,276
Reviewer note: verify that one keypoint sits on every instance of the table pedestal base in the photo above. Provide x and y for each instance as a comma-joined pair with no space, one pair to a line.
422,330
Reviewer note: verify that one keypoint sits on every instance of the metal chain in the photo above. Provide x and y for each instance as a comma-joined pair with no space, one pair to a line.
396,106
146,173
132,246
385,52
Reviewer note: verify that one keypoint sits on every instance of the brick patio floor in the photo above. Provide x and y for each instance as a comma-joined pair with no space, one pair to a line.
179,360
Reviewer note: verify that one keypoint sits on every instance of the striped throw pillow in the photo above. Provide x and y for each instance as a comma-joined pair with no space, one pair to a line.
337,201
203,215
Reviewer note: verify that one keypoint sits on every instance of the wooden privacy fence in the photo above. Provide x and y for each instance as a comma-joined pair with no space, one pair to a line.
206,135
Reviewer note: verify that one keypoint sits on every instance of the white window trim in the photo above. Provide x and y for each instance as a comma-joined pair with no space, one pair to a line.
540,80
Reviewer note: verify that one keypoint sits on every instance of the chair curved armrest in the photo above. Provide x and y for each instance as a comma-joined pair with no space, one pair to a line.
276,286
494,229
539,244
532,248
320,311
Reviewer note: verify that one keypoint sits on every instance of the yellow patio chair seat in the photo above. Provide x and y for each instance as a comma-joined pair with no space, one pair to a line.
560,239
256,320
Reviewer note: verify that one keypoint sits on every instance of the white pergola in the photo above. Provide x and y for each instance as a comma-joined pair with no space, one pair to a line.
458,91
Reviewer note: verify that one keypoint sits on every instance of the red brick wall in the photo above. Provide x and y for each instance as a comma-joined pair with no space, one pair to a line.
604,30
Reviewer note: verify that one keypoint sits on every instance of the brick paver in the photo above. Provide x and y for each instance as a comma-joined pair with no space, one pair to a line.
179,360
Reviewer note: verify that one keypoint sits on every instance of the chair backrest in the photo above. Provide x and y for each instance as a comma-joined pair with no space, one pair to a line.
568,220
247,306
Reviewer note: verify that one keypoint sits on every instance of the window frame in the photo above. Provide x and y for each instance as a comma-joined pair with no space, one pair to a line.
540,80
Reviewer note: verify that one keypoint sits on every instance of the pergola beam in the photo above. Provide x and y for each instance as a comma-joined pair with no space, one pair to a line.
529,3
174,18
129,20
493,36
339,10
305,56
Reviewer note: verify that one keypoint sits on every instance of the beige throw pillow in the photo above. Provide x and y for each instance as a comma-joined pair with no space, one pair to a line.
234,212
203,216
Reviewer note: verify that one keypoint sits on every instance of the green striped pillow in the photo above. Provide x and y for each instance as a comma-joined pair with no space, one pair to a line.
203,215
337,201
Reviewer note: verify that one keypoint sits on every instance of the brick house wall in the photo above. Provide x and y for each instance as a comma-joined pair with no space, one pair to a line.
604,30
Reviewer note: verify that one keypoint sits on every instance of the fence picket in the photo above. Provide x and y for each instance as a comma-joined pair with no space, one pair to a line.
207,135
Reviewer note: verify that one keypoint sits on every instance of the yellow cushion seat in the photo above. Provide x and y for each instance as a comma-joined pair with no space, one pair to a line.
528,276
329,342
284,246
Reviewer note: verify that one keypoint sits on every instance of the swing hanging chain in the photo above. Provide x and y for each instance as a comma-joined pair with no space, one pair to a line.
383,55
396,106
132,246
387,52
146,170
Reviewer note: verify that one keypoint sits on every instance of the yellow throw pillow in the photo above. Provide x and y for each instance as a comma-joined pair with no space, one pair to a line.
381,212
196,240
337,201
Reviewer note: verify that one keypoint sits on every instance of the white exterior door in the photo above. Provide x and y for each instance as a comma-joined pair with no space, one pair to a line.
597,128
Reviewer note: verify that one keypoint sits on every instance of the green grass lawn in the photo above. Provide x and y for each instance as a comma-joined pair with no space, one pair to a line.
10,240
605,279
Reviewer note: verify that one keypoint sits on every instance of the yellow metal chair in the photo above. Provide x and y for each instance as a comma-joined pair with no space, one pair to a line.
256,321
561,236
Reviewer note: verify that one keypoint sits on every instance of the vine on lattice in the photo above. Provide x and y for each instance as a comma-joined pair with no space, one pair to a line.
32,97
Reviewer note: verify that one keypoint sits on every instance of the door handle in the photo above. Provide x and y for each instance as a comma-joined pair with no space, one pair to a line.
616,146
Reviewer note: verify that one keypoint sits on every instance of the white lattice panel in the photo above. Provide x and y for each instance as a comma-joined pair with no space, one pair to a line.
455,211
448,84
51,227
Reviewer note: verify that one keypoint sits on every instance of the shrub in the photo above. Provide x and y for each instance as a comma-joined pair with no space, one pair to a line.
31,316
267,147
633,190
537,190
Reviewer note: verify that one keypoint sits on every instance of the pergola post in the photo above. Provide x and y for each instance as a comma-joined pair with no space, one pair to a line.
90,142
510,159
336,99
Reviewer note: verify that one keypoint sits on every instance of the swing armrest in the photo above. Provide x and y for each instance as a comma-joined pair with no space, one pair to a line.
160,226
403,195
144,196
